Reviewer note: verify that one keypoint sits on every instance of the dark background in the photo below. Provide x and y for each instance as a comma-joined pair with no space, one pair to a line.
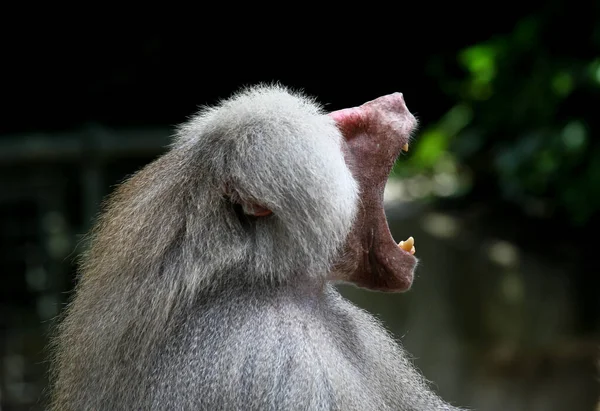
502,182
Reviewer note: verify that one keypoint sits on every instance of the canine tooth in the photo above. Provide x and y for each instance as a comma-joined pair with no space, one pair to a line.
407,245
405,147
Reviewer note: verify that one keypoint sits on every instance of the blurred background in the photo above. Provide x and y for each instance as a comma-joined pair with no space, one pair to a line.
501,186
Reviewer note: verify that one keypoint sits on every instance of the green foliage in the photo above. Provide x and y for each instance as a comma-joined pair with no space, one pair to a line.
522,126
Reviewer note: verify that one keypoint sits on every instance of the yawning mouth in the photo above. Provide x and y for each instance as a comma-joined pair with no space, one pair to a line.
374,134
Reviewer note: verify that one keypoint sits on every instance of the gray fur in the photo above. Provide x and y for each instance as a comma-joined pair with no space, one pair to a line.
180,305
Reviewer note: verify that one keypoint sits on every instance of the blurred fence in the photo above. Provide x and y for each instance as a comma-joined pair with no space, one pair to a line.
52,186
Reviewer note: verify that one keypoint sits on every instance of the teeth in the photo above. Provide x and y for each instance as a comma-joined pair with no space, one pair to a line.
405,147
408,245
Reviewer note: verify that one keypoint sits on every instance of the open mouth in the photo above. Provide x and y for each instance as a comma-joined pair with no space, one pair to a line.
409,244
374,135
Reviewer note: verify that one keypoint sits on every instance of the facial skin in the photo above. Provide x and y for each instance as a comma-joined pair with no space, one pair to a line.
207,284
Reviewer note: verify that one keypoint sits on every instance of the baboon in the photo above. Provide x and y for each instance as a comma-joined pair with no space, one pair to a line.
209,282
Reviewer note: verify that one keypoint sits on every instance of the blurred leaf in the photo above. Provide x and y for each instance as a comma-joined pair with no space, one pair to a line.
562,83
480,60
526,32
594,71
456,119
522,125
516,107
574,136
432,144
468,143
480,91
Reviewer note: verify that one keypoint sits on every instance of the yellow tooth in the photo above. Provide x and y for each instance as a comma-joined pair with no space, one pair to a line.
407,245
405,147
413,250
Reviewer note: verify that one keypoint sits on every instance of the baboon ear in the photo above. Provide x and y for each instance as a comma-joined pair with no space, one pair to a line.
250,206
